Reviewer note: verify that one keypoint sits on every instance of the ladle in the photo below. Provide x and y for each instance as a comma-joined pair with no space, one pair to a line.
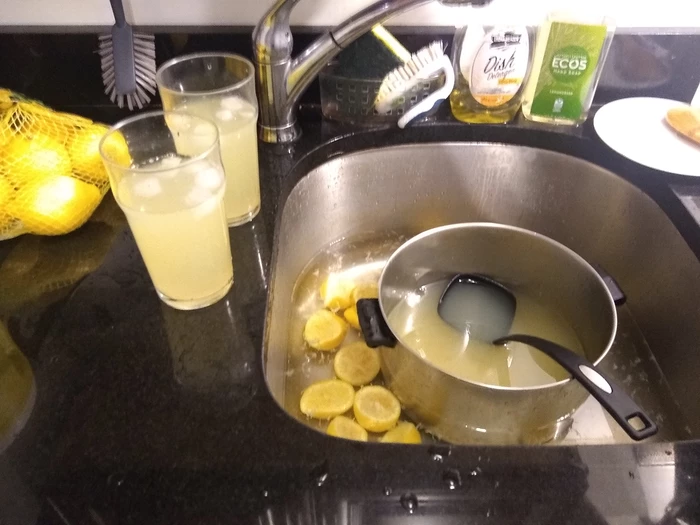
486,308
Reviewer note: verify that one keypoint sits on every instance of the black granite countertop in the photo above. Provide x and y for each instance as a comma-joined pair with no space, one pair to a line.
145,414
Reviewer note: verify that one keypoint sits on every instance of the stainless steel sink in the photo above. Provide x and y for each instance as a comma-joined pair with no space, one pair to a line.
355,209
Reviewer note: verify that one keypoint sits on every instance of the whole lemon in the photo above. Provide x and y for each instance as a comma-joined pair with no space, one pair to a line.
54,205
28,158
39,119
5,99
84,151
6,193
6,128
116,149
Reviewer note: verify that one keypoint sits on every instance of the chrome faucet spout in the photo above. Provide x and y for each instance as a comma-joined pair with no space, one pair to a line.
281,79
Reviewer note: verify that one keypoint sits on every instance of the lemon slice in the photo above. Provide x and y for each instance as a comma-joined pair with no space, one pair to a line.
351,317
376,409
344,427
365,291
327,399
336,293
324,330
356,363
404,432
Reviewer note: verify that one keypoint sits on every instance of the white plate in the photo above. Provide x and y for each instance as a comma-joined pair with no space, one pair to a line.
637,129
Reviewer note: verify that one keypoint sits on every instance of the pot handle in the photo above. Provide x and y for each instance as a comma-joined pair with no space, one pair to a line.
615,400
618,295
374,328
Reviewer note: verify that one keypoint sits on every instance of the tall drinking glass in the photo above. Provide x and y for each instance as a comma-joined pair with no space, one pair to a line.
221,87
166,175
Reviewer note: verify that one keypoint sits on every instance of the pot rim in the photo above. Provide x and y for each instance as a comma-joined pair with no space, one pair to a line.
531,233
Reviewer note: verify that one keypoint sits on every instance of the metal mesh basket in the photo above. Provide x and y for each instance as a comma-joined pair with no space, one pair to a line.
352,99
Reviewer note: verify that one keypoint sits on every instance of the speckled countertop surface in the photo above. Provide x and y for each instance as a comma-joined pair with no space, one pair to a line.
144,414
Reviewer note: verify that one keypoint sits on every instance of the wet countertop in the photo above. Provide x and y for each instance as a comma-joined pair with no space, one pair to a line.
145,414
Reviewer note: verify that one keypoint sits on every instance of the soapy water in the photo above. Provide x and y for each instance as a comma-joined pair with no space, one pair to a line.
416,322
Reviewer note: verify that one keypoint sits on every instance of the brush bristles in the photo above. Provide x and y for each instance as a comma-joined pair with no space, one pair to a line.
404,78
144,67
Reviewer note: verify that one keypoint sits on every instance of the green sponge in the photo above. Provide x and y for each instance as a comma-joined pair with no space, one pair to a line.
372,56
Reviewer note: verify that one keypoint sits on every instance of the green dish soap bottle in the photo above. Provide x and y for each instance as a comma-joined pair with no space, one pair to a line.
491,67
569,58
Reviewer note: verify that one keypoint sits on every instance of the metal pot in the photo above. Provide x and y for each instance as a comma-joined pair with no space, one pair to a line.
461,411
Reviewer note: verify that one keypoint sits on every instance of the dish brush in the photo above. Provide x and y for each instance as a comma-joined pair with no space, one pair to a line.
128,62
399,83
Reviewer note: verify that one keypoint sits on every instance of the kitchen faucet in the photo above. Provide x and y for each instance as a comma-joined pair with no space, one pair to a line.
281,79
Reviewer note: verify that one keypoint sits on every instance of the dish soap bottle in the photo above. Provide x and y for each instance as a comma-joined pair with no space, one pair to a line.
569,58
491,66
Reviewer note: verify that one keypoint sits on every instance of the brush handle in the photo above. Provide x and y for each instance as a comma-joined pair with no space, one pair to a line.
118,10
442,64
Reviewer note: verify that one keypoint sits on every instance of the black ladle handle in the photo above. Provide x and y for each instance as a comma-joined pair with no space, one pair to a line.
375,331
618,404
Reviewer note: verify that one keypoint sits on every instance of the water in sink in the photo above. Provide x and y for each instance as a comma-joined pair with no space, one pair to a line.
359,260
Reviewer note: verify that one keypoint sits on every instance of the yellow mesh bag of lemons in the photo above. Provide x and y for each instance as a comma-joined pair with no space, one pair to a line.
51,174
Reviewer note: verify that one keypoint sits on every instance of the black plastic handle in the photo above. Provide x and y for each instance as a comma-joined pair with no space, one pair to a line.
618,295
618,404
374,328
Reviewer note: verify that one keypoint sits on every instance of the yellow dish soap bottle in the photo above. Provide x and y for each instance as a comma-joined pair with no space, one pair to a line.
569,58
491,67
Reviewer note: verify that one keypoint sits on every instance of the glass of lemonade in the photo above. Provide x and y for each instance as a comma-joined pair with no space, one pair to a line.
166,175
221,87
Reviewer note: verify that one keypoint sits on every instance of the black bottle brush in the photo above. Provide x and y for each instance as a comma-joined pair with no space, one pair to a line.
128,62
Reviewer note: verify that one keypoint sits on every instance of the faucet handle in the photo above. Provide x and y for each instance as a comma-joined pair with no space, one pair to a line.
272,36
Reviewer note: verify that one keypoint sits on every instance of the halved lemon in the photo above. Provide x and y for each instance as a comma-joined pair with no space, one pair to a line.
365,291
404,432
376,409
336,293
327,399
325,330
351,317
344,427
356,363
